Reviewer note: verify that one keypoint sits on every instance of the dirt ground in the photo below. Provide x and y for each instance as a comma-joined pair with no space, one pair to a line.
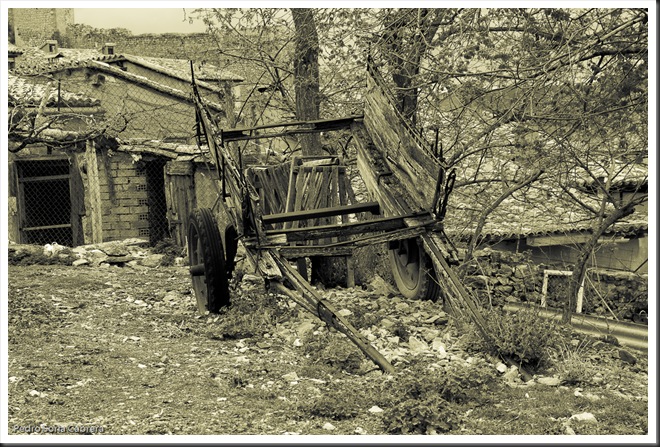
122,350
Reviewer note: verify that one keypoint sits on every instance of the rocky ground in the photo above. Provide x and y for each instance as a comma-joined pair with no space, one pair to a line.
119,348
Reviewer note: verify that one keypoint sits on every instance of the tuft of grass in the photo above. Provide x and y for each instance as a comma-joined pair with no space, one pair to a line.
524,335
331,350
573,366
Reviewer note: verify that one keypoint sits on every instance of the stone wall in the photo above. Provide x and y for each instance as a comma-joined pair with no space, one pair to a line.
174,46
498,277
33,26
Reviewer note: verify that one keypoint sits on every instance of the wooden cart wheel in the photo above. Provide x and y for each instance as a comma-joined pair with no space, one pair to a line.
413,271
207,262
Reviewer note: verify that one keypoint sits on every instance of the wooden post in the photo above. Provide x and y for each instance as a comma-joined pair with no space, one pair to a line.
180,197
94,190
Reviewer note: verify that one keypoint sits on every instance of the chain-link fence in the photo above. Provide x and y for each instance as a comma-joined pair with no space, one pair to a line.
107,150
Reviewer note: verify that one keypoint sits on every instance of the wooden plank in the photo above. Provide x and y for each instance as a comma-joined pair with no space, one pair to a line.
347,229
94,192
247,133
372,207
178,168
77,195
180,199
411,162
304,251
47,227
46,178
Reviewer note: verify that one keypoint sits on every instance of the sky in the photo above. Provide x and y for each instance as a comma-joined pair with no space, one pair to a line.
140,20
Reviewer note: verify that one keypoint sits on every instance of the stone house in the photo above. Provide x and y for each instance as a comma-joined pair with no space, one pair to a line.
119,158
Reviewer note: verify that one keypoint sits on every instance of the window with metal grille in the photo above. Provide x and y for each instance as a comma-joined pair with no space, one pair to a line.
141,187
143,232
143,217
45,205
143,202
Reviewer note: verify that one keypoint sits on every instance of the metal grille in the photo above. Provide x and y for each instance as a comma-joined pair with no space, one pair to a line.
45,202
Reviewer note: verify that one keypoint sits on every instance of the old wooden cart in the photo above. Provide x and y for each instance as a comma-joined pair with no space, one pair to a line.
300,209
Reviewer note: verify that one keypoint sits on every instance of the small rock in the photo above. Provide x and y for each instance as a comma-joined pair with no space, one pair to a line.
627,357
401,307
79,262
584,417
501,367
252,278
152,260
549,381
171,296
328,426
360,431
438,345
375,409
118,259
381,287
96,257
386,323
291,377
611,339
113,248
512,374
568,430
417,345
297,342
344,312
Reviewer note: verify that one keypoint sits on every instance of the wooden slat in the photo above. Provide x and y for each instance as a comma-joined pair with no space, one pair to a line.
46,227
372,207
247,133
344,229
94,189
46,178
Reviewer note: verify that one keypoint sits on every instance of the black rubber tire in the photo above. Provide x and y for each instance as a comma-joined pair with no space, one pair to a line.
413,271
205,248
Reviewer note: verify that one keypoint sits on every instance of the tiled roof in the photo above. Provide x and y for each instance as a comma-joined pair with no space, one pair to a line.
13,49
26,92
34,60
626,176
540,210
181,68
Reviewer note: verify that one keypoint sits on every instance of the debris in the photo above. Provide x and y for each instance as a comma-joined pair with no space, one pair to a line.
328,426
375,409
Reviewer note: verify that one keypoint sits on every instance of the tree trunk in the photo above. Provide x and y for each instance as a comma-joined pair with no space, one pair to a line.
328,271
306,74
405,54
481,222
580,269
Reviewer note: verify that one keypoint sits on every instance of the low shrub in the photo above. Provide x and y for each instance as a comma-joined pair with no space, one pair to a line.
170,249
332,350
525,336
249,316
428,415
